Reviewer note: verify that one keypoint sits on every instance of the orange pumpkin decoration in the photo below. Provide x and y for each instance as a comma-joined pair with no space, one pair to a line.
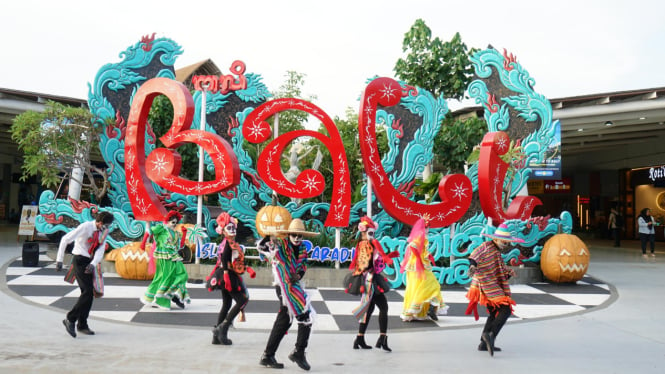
565,258
131,262
272,218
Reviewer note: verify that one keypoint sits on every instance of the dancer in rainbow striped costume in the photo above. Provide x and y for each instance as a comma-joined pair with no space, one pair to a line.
489,285
288,257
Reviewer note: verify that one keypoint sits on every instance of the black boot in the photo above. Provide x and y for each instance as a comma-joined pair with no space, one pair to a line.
383,343
431,313
215,337
298,357
360,342
483,347
222,334
298,354
488,339
270,362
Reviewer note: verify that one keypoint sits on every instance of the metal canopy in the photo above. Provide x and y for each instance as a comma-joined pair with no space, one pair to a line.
612,131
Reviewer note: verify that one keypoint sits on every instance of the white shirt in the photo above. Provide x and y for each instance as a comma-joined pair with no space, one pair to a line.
80,236
642,226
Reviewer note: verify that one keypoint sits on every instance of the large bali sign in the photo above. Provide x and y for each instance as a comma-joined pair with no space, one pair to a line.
229,116
162,166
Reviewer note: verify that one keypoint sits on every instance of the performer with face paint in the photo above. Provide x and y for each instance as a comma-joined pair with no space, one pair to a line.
489,285
288,257
231,259
370,260
170,281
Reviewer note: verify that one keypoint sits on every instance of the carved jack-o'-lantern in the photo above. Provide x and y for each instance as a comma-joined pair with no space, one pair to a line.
131,262
565,258
272,218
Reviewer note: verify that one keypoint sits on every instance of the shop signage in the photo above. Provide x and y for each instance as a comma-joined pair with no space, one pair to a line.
557,186
657,174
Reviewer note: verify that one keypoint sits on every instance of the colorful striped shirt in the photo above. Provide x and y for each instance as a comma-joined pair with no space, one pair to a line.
492,273
288,262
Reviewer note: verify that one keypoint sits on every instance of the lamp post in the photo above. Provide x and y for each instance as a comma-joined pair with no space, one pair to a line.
202,127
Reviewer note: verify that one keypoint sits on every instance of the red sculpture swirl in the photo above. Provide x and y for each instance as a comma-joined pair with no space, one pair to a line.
309,183
162,165
491,176
455,190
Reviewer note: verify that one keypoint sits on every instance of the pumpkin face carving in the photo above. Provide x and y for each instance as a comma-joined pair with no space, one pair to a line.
565,258
131,262
271,218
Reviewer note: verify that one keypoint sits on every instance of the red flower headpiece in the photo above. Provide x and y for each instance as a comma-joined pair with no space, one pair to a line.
173,214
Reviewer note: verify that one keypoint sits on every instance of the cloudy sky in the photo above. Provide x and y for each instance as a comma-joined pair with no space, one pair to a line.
570,47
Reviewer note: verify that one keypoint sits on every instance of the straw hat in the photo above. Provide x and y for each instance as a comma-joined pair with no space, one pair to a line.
297,226
502,233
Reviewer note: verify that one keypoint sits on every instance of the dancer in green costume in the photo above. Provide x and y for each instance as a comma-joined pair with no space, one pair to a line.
169,283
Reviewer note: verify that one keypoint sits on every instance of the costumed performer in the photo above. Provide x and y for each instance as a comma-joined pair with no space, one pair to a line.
231,261
289,264
170,281
89,244
422,298
489,285
369,261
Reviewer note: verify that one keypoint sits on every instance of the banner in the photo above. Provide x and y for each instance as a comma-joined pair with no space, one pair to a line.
27,223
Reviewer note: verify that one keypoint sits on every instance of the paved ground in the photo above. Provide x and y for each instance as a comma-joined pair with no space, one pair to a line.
43,285
618,328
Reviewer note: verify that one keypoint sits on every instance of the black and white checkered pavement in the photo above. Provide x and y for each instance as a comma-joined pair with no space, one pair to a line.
43,285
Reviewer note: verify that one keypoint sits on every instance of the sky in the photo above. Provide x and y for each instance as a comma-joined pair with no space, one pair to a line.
570,48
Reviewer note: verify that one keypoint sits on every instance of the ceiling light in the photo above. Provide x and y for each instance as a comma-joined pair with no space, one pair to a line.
609,123
580,130
643,118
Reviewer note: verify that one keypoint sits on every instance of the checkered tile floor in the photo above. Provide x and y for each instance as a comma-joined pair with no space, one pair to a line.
43,285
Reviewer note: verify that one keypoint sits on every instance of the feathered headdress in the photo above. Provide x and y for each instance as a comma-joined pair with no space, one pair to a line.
417,243
366,223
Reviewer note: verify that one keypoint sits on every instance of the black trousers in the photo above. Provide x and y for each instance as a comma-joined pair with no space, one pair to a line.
379,300
282,325
81,309
648,238
496,319
240,299
617,237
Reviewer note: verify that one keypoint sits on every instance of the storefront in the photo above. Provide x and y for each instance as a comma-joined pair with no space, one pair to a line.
645,188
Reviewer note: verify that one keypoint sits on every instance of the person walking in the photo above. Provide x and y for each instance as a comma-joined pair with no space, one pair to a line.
615,224
646,228
489,285
89,243
288,258
368,262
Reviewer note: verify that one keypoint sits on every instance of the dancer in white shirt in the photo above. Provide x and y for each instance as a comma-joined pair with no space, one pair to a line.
89,243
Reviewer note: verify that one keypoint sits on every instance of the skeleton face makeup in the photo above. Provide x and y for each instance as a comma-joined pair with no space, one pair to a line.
501,244
172,223
295,239
369,234
230,229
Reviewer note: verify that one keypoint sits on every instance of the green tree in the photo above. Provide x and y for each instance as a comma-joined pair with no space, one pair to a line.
442,68
439,67
456,140
292,88
348,131
56,141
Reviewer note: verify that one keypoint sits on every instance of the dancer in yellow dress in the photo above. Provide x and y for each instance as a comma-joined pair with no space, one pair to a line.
422,298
